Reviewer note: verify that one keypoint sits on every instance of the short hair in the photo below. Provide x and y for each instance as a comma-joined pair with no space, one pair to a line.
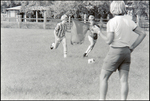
63,17
91,17
117,7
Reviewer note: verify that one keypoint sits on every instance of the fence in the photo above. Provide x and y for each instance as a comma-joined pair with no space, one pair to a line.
48,23
51,23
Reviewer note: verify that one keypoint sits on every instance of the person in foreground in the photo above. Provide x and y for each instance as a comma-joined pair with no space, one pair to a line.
93,35
59,34
119,30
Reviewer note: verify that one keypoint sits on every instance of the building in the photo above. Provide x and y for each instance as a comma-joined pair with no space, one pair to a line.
14,12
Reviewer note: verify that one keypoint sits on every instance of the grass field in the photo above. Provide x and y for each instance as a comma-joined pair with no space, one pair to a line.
30,70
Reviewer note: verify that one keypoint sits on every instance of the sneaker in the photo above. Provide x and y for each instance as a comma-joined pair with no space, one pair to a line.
65,55
85,55
52,46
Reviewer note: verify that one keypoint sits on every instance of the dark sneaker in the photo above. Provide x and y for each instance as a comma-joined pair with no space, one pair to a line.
51,47
85,55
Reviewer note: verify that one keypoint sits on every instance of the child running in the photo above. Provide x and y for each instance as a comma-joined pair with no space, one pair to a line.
59,34
119,30
93,36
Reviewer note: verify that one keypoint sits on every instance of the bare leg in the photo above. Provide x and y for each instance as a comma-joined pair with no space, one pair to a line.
91,46
104,76
124,83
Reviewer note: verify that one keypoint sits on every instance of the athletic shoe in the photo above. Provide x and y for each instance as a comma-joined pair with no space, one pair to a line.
52,46
65,55
85,55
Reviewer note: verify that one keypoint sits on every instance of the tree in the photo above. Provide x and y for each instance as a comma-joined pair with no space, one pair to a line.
27,5
8,4
69,7
139,8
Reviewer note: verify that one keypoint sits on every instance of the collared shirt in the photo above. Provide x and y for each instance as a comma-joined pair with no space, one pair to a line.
60,29
122,26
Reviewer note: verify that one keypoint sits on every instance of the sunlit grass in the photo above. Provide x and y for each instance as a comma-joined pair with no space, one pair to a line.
30,70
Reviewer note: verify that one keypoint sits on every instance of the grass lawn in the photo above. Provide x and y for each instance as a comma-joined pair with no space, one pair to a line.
30,70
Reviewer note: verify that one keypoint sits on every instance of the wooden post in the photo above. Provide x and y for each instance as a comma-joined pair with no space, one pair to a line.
84,18
36,16
101,20
19,21
16,16
25,20
9,16
44,24
69,22
138,20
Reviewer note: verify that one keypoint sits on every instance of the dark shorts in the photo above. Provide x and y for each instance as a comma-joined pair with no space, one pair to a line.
94,36
117,58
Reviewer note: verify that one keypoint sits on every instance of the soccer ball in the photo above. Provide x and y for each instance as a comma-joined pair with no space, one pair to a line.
53,44
90,61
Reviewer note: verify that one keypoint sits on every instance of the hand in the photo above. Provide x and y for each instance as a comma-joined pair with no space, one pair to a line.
131,49
99,33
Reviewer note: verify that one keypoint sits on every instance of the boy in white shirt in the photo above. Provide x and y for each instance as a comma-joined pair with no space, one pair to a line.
92,36
119,31
59,34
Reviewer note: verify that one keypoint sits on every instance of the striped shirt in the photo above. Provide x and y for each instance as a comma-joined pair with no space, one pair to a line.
60,30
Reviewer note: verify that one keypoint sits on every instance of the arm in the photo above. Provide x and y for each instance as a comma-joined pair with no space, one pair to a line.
55,34
140,38
109,38
56,30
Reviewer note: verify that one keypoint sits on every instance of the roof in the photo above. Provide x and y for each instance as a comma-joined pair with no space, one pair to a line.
129,6
14,8
38,8
31,8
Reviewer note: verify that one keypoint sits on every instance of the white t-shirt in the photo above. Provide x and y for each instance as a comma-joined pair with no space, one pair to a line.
122,26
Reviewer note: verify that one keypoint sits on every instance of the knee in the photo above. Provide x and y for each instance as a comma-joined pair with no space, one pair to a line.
92,45
103,78
124,80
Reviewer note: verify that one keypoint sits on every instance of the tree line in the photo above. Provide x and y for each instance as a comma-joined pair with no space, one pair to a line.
76,9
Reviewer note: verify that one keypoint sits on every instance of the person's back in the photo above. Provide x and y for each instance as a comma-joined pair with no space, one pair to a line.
119,30
122,27
61,29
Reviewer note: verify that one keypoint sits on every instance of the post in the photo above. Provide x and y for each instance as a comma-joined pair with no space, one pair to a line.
107,16
84,18
25,20
131,13
44,24
101,21
69,22
9,16
16,18
36,16
19,21
138,20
